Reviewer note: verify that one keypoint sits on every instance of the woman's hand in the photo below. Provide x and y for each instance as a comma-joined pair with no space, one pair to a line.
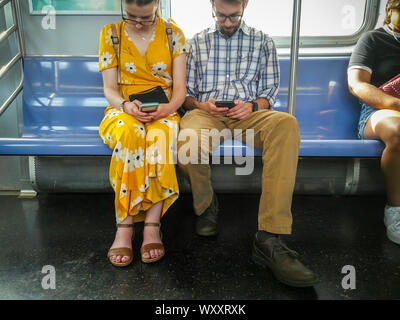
163,111
132,108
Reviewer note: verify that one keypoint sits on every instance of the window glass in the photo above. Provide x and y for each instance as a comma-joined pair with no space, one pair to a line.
79,7
76,6
319,17
8,17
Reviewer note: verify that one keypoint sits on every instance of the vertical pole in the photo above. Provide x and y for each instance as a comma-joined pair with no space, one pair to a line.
294,56
18,21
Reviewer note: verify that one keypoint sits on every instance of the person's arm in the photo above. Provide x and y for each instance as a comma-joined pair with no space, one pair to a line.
359,82
268,86
363,62
179,76
108,65
178,91
114,97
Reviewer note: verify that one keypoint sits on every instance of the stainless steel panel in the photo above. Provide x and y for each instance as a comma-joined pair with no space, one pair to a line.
314,176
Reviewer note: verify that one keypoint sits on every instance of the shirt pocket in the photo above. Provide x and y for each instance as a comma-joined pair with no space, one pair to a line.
247,66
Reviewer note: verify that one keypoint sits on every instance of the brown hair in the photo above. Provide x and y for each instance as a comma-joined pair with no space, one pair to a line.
391,4
145,2
234,1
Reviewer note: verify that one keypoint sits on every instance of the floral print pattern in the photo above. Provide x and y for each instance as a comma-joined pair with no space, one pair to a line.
141,173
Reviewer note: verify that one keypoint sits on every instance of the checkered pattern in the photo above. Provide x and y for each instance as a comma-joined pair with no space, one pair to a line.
244,67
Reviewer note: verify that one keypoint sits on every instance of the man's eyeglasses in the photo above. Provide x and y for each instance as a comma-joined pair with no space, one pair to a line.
220,17
133,21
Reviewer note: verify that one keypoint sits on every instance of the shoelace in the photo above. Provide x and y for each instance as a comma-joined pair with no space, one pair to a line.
395,215
396,225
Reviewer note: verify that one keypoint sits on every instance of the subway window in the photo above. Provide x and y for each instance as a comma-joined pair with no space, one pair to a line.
336,18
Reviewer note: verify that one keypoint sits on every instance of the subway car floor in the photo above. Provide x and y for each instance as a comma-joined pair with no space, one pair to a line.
72,233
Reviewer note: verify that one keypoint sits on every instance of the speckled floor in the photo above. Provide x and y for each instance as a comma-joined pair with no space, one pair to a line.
72,233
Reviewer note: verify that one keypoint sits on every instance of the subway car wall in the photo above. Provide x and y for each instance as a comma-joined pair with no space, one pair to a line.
79,31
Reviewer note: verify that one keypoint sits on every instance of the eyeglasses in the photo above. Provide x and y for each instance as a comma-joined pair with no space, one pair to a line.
220,17
133,21
142,22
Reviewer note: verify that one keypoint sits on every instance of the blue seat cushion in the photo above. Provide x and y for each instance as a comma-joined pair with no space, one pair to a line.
63,105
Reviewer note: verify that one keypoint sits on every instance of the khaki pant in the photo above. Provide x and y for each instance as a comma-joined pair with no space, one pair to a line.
277,135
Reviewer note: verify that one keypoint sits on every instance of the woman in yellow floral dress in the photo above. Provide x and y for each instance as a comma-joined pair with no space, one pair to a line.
142,170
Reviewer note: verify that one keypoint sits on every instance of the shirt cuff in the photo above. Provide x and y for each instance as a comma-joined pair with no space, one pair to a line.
369,70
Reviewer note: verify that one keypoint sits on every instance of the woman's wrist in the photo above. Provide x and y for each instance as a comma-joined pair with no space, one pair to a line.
171,107
122,105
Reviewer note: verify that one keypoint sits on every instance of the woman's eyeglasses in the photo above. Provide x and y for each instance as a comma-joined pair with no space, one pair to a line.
134,21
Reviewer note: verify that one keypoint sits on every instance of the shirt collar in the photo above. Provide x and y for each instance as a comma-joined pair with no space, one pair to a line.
243,26
391,32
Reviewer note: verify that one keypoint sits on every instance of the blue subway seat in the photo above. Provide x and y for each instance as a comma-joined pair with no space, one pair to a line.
63,105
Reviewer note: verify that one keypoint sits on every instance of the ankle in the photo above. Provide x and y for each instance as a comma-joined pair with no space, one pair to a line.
263,235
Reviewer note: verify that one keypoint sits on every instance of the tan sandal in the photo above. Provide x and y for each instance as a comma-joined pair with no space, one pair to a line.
127,252
152,246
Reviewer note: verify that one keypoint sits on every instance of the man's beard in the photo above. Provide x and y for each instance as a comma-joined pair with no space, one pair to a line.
229,33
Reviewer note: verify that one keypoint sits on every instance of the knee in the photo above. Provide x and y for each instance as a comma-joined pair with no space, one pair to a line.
286,125
128,128
392,137
288,121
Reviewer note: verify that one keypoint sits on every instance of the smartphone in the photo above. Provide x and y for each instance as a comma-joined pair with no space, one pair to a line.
148,107
225,104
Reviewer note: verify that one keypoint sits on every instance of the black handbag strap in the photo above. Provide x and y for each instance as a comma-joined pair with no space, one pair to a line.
115,42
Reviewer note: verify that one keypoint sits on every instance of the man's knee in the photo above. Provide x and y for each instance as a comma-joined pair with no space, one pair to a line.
286,124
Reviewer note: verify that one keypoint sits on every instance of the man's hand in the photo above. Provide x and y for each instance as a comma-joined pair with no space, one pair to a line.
212,109
132,108
241,110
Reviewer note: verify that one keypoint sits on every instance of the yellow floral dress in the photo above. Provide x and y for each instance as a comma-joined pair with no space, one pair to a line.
142,170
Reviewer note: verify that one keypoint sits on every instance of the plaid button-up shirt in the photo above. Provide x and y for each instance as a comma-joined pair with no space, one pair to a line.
243,67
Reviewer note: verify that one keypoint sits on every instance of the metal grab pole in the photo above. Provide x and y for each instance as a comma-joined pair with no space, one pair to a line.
294,57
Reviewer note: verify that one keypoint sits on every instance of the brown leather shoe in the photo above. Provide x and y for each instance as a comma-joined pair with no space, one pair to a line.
206,224
274,254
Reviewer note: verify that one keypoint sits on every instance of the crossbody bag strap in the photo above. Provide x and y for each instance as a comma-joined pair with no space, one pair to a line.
115,42
170,42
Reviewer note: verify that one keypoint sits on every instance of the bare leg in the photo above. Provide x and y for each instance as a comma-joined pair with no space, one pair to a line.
385,125
123,239
152,234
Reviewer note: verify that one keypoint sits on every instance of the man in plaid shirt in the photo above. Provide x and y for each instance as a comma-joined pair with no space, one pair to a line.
234,62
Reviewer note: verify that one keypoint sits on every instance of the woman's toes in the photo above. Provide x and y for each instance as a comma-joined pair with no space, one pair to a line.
146,255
